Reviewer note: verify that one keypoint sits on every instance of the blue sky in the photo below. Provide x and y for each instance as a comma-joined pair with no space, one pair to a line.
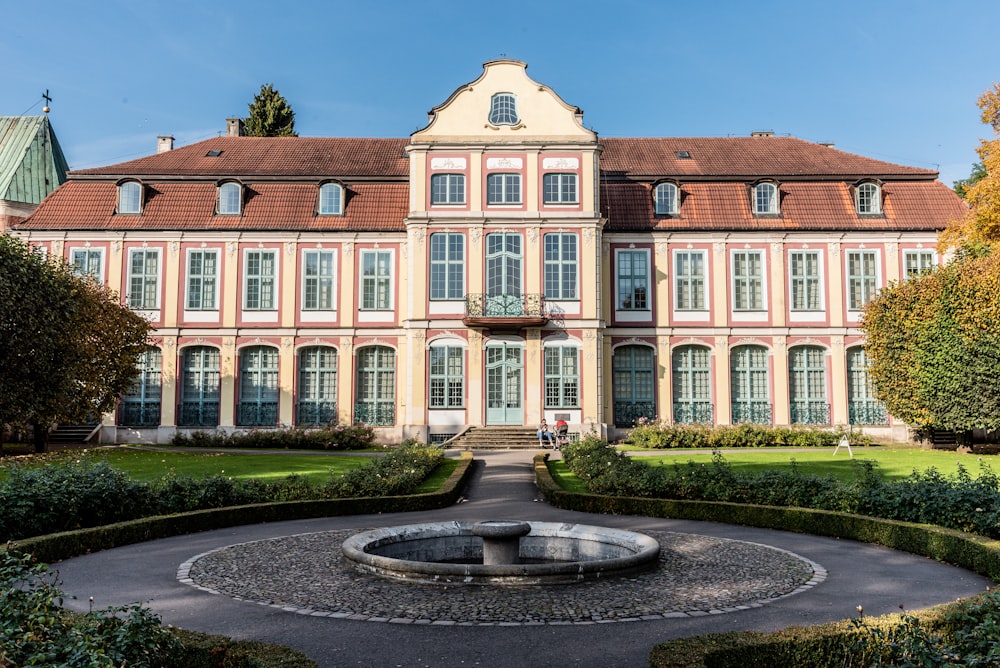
895,80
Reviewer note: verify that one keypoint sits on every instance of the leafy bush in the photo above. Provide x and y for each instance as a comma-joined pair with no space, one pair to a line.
330,437
661,435
399,472
928,497
35,630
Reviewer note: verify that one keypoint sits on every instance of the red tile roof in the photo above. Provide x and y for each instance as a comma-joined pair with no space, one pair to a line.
740,157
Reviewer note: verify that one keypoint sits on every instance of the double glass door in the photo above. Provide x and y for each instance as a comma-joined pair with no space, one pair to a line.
504,384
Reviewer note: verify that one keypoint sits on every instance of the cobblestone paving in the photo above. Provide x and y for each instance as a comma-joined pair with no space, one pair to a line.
697,575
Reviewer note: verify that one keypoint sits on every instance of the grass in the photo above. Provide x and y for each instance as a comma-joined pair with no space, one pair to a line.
147,465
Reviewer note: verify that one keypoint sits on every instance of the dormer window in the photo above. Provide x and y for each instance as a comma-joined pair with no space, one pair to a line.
130,197
765,199
665,199
868,198
503,109
230,198
331,199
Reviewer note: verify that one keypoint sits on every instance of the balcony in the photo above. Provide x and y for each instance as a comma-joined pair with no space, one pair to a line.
504,312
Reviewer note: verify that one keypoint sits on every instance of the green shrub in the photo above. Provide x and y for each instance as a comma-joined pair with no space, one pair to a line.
329,437
399,472
661,435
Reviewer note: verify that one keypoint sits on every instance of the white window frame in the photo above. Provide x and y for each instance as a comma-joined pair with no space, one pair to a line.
757,299
202,278
509,189
327,205
503,109
685,283
623,297
453,192
321,278
444,269
805,281
560,273
561,388
560,188
919,254
381,283
225,200
864,284
262,304
130,198
868,199
145,281
91,256
766,205
446,390
666,204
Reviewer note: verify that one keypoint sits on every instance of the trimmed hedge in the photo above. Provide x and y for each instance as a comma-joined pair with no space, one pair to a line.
328,437
662,435
810,646
58,546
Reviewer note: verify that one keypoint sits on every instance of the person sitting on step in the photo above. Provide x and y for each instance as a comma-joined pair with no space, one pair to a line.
544,435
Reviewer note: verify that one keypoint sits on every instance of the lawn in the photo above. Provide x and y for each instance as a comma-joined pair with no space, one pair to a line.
893,463
144,464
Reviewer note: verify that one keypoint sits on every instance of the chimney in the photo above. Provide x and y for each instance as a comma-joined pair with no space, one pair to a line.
234,127
762,133
164,143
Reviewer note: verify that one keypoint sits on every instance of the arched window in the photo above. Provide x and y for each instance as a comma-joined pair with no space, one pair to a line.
862,406
258,386
130,198
765,197
807,385
503,109
868,197
665,198
634,384
230,199
317,390
331,199
749,386
692,385
141,404
199,387
375,402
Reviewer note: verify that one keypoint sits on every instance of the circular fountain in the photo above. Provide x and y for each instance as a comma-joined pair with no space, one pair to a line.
500,552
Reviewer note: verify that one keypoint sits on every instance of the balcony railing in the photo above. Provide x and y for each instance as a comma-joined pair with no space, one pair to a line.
140,413
198,414
867,412
808,412
375,414
697,412
316,412
258,414
751,412
497,310
628,413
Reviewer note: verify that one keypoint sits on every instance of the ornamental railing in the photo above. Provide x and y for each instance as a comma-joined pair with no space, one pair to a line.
198,414
627,413
867,412
316,412
751,412
375,414
504,306
140,413
697,412
257,414
808,412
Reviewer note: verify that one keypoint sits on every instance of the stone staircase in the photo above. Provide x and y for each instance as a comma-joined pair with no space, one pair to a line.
496,438
72,434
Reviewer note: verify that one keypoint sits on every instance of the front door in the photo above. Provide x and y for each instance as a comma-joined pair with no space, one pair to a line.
504,383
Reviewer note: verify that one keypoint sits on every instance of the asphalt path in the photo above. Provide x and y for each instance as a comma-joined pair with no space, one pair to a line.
879,579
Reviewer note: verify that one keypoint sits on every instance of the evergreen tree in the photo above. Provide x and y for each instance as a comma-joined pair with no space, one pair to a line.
270,115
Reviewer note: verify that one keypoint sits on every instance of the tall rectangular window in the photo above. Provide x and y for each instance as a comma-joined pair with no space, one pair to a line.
88,262
143,278
560,266
447,266
448,189
633,280
805,280
559,188
141,403
202,277
503,189
317,280
917,262
862,278
562,377
376,280
447,377
748,281
260,274
689,280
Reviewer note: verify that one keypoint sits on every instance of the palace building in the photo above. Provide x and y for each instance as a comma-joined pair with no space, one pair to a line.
502,264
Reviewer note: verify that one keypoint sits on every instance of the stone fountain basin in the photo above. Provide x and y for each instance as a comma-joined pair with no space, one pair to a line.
551,553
